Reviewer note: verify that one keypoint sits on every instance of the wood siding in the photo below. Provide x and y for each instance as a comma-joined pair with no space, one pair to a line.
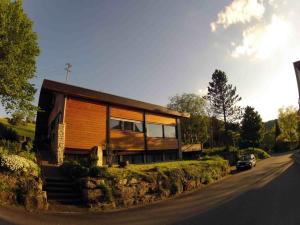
85,124
126,140
155,118
162,143
128,114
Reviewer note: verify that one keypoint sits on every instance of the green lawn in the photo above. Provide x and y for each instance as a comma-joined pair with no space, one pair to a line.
27,131
192,167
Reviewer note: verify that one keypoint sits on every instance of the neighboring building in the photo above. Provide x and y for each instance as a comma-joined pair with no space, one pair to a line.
74,120
297,71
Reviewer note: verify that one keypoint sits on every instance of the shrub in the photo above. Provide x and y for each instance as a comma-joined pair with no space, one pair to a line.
97,171
259,153
73,168
18,165
107,192
8,133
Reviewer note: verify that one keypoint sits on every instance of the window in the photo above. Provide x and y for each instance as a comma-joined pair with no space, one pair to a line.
128,126
116,124
138,127
155,130
169,131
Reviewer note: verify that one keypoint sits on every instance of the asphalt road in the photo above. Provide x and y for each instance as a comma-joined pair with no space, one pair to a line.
267,194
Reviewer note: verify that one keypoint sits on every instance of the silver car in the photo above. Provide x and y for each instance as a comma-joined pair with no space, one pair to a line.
246,162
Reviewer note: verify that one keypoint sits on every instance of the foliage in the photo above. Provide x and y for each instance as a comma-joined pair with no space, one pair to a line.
268,141
18,165
8,133
97,171
16,148
228,153
259,153
21,130
18,52
195,128
223,98
252,128
74,169
232,154
288,120
17,118
108,196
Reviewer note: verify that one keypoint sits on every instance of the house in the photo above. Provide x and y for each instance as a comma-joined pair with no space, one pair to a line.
73,121
297,71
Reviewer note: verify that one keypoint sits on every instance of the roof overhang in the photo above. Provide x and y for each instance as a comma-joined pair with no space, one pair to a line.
79,92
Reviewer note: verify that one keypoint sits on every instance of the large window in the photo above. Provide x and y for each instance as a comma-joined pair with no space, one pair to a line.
116,124
155,130
126,125
138,127
169,131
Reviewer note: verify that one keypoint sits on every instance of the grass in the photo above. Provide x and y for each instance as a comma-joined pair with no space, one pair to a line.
26,131
193,168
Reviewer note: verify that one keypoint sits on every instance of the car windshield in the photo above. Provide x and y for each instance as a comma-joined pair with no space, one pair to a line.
245,157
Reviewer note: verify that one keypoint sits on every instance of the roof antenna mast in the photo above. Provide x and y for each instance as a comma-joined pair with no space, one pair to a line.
68,69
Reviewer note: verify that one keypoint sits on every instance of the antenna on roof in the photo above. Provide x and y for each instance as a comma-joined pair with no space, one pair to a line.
68,69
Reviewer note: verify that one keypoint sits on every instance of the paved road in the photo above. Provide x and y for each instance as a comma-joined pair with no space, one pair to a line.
267,194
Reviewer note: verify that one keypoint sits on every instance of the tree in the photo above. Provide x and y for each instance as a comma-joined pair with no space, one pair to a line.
193,129
223,98
18,52
288,120
252,128
17,118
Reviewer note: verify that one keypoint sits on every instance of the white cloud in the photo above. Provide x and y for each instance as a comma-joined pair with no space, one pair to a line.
239,11
261,41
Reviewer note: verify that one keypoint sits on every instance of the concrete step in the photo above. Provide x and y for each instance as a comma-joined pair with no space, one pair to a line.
59,189
57,202
62,196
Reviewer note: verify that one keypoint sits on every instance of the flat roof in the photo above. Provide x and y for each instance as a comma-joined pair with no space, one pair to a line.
75,91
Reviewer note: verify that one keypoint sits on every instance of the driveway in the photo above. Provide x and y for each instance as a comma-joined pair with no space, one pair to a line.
267,194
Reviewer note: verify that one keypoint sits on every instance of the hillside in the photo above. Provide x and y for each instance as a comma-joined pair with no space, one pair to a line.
27,131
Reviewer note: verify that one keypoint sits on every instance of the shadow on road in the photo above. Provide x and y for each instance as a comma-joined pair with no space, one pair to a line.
275,203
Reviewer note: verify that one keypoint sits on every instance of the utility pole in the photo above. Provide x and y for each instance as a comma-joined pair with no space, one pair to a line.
68,71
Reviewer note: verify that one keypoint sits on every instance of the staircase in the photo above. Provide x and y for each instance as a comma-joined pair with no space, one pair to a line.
62,194
61,190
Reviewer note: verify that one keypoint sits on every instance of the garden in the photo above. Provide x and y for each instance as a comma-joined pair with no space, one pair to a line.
20,175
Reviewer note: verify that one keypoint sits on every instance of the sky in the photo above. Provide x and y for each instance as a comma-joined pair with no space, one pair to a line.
150,50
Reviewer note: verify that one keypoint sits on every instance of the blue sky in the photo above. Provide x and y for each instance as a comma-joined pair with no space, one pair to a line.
151,50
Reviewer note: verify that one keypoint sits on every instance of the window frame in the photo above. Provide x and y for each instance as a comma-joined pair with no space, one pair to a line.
174,126
133,122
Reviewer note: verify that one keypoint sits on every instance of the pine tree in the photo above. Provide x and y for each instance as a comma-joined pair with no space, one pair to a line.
223,98
252,128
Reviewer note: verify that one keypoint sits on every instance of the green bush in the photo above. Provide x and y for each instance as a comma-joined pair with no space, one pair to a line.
8,133
18,165
230,154
107,192
259,153
73,168
97,171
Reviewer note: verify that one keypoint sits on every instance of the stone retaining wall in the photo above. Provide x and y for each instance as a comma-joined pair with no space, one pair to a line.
117,193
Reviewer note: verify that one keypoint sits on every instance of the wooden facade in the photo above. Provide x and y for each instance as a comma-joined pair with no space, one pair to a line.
93,119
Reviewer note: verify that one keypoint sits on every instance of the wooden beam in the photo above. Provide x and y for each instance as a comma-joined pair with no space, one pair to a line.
179,138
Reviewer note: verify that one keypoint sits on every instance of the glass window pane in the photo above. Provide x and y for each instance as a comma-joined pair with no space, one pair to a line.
154,130
138,127
116,124
128,126
170,131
